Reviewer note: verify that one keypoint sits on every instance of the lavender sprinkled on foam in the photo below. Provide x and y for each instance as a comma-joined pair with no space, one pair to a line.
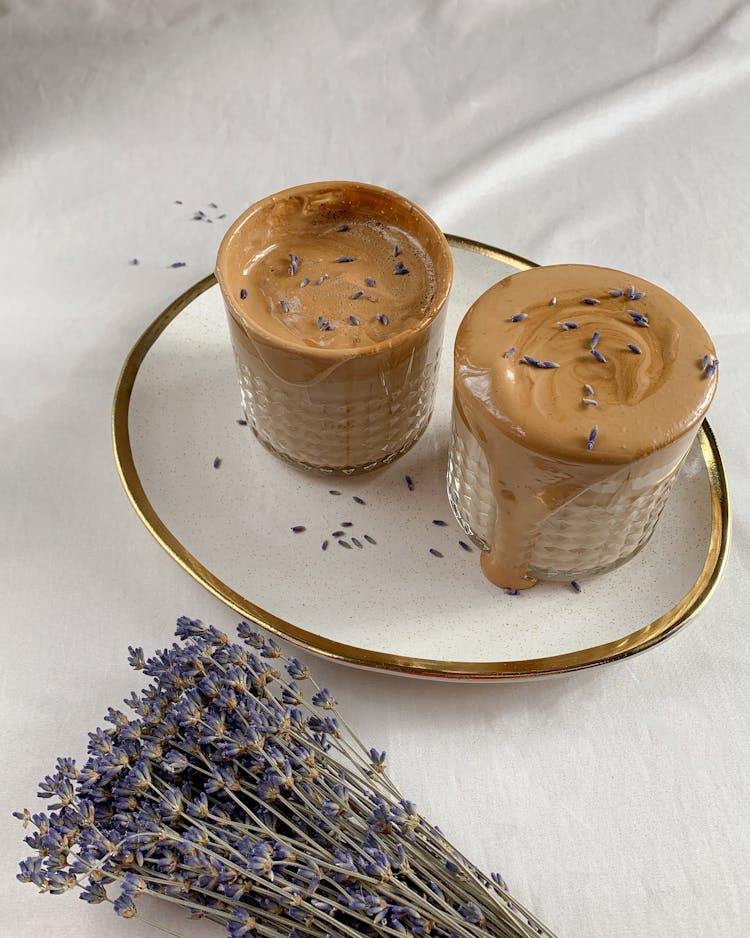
510,353
710,368
353,320
598,355
284,306
595,340
590,401
345,259
638,318
519,317
565,326
511,592
589,390
304,282
342,228
358,294
243,294
294,264
382,318
535,363
324,325
592,438
370,281
591,301
409,483
321,279
634,348
616,293
399,269
576,585
634,294
396,250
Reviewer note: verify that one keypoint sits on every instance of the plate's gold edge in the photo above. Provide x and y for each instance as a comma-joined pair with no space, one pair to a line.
626,646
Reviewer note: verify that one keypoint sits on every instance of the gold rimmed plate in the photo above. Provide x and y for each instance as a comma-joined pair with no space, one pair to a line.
224,507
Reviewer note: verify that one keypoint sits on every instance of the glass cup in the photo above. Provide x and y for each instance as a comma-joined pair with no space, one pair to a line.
578,392
335,295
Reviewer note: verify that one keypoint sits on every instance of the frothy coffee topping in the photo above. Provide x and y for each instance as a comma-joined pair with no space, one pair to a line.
332,275
564,374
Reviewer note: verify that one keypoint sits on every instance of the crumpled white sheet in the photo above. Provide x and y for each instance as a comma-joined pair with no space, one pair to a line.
614,801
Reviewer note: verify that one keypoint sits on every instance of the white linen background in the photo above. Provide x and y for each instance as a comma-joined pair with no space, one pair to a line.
614,801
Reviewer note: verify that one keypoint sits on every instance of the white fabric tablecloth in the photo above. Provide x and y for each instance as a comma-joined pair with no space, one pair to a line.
614,801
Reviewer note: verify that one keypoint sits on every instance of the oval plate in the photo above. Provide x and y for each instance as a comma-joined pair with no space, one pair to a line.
223,507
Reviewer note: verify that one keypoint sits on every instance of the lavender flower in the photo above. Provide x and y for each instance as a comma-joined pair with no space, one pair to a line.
251,803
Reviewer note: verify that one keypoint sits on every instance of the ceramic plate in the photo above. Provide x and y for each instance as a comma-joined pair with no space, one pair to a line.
223,507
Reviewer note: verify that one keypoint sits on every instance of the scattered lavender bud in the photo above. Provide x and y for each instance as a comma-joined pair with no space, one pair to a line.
199,216
345,544
217,462
510,353
242,422
304,282
396,250
638,295
399,270
631,292
589,390
570,325
370,540
358,294
510,592
590,401
409,483
440,523
346,259
634,348
435,553
284,306
337,533
212,205
321,279
347,524
595,340
598,355
243,294
548,365
519,317
616,293
178,264
705,361
324,545
464,546
334,492
342,228
711,368
591,301
134,262
381,317
592,438
223,215
299,528
178,201
324,325
353,320
370,282
357,543
358,500
576,585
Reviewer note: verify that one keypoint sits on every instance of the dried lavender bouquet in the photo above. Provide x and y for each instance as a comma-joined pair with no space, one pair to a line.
235,796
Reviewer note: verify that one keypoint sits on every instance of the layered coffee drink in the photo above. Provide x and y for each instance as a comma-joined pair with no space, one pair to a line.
578,391
335,295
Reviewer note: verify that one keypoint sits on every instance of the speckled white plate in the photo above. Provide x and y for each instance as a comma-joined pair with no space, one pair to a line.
391,605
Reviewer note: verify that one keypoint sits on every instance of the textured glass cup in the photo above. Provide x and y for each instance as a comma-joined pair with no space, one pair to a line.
578,392
335,409
601,529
